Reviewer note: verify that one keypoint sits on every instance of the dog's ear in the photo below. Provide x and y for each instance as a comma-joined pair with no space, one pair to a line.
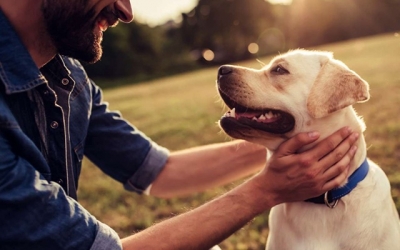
335,87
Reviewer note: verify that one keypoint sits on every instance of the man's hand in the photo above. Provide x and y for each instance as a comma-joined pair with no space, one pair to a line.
299,176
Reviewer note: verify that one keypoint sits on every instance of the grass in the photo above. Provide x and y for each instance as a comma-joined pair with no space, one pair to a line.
181,111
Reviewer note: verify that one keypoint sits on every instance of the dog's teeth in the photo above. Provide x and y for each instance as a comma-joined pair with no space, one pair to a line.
233,114
269,115
262,117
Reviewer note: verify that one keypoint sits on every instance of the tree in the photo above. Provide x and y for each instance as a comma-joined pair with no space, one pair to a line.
226,27
140,52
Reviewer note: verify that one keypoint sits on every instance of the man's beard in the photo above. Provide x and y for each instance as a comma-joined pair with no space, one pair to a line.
72,30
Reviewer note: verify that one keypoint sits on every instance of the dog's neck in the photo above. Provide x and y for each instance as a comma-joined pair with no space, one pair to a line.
347,117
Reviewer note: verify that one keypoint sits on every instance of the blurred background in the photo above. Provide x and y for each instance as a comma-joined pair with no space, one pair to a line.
160,73
169,37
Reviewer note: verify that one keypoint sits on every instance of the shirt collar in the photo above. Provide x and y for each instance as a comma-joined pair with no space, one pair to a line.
18,71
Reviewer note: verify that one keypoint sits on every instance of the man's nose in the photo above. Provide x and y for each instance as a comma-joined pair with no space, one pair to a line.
124,10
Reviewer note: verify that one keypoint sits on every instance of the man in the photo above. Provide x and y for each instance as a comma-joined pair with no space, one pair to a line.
51,114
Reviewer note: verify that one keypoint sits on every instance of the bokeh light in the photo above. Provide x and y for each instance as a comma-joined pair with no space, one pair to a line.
208,55
253,48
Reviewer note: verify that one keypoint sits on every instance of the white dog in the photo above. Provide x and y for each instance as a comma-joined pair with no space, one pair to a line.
303,91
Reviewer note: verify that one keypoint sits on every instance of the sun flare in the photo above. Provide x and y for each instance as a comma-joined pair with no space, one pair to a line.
286,2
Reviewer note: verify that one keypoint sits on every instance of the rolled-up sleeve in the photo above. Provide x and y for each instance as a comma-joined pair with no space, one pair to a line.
106,239
149,170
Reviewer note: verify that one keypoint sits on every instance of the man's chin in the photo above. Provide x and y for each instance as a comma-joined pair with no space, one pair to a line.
90,55
92,58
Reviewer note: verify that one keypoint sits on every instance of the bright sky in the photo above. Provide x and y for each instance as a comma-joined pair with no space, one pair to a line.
154,12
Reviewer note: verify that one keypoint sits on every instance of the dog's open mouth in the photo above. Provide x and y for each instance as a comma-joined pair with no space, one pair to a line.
267,120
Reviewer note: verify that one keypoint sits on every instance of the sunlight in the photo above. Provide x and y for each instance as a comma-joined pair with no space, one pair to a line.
287,2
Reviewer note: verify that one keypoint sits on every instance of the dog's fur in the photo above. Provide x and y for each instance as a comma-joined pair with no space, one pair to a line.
317,91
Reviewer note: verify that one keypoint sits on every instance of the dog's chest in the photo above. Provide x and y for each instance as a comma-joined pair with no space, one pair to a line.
355,223
314,226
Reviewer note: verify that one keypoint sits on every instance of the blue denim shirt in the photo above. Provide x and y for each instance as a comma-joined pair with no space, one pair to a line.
49,119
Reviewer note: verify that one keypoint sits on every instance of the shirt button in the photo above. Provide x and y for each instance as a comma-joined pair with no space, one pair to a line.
54,124
46,92
60,181
64,81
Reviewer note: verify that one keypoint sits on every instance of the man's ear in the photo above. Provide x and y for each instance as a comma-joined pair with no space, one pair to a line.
335,87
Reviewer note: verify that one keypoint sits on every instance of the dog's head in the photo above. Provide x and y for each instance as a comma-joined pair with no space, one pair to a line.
291,94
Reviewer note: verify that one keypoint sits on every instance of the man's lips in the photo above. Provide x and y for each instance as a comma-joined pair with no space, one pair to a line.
103,24
107,18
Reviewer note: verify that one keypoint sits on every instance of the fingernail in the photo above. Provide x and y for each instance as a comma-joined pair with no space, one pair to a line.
313,135
356,135
349,130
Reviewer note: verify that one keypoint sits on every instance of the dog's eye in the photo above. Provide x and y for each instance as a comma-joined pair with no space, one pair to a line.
279,70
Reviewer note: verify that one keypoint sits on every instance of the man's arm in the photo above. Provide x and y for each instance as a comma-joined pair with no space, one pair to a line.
200,168
204,226
288,177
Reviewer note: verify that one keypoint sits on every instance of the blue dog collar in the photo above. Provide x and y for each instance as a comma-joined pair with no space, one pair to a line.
332,197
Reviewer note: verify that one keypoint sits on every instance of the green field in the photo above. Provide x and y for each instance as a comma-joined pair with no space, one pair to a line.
183,110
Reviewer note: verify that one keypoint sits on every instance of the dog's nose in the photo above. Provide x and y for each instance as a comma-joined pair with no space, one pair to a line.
224,70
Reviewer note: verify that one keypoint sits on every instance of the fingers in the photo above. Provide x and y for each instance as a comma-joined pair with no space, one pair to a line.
337,174
331,142
339,153
292,145
317,170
